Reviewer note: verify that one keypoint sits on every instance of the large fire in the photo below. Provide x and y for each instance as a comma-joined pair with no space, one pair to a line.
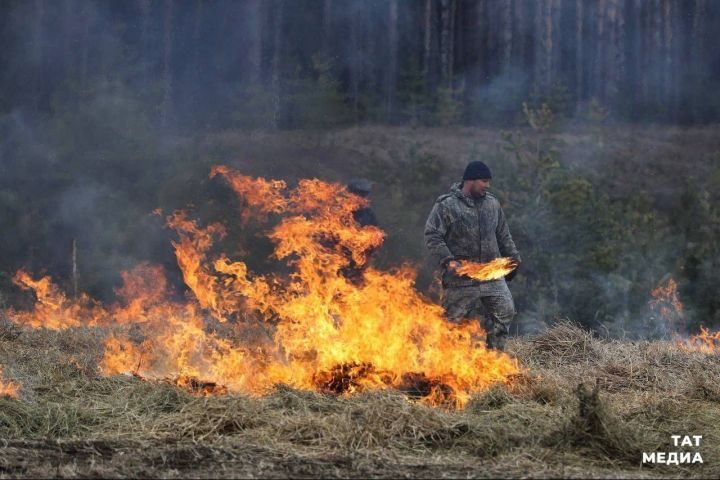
315,328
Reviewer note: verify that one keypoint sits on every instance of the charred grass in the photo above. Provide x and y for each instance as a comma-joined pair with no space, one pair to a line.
582,408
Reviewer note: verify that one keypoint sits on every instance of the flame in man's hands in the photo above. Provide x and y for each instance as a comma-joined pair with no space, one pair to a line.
492,270
318,328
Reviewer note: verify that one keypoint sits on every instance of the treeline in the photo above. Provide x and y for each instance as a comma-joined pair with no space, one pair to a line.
297,63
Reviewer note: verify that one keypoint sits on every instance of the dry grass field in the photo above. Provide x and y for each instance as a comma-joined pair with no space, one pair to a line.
583,407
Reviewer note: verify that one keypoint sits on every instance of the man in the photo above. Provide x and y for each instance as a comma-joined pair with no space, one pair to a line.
469,224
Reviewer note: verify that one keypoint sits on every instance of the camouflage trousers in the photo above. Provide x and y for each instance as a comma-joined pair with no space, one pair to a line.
495,312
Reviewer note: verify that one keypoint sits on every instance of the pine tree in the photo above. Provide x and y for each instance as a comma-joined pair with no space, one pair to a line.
276,59
167,63
391,79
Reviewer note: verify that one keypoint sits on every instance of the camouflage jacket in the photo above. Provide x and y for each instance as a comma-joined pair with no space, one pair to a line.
463,228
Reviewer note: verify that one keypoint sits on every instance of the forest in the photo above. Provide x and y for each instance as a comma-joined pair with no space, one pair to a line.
291,64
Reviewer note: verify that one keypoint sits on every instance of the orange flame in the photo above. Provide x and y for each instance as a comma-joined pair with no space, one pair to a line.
314,329
261,196
705,342
492,270
144,287
7,387
667,307
53,310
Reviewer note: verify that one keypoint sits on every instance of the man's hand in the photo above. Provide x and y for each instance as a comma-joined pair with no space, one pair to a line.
509,277
453,265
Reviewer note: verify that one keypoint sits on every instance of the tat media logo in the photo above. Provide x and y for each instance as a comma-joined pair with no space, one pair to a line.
676,458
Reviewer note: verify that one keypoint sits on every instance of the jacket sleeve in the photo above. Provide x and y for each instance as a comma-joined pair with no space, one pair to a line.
504,239
435,230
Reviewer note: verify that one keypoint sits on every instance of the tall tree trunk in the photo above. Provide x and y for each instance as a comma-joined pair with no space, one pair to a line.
354,67
451,41
459,49
430,47
657,38
621,8
167,63
144,6
254,22
353,52
579,58
483,27
555,37
493,38
445,42
68,13
634,57
369,77
427,39
327,27
697,36
545,48
84,43
391,82
507,33
276,58
520,39
196,38
610,63
668,70
697,56
698,33
601,64
473,48
645,11
38,37
541,47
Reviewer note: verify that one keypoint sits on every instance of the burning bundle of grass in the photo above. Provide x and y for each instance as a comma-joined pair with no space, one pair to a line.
492,270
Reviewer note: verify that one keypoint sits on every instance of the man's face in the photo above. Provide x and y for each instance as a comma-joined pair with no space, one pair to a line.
479,186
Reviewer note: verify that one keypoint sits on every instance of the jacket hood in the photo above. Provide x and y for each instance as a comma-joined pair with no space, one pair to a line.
456,190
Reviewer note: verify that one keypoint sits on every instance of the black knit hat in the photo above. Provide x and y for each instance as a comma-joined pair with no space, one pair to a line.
475,170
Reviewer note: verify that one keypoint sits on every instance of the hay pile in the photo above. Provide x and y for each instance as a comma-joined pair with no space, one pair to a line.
583,408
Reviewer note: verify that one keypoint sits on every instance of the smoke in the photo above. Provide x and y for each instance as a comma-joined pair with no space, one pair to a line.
502,97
